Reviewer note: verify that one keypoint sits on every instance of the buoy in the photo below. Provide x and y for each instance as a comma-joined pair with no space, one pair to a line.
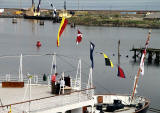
38,44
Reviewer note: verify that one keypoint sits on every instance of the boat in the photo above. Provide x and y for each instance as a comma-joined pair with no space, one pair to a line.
30,94
37,13
36,97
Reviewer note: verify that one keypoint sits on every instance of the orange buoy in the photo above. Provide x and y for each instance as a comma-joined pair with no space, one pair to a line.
38,44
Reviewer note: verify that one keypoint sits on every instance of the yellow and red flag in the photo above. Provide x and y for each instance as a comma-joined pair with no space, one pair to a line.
61,29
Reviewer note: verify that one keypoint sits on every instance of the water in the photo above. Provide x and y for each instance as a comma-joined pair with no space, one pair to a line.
22,37
87,4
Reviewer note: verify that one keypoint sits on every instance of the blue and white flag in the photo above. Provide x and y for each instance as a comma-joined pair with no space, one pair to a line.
91,54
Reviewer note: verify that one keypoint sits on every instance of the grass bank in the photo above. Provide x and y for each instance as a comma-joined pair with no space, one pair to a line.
96,18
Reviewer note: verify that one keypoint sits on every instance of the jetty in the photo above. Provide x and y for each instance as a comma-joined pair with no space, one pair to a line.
151,53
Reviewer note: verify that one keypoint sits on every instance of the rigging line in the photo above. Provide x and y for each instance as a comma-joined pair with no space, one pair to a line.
67,62
109,91
74,66
76,70
26,55
105,88
8,56
1,104
52,4
71,57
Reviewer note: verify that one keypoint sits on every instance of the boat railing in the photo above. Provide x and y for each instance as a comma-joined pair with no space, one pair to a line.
50,102
36,79
138,99
126,99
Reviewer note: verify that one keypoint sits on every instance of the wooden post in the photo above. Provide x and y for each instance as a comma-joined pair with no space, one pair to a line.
157,57
118,52
150,57
134,56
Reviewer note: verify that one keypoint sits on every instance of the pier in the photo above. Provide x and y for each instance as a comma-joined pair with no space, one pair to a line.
151,53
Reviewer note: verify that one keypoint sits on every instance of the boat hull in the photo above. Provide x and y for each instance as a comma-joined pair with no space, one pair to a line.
55,19
106,103
143,110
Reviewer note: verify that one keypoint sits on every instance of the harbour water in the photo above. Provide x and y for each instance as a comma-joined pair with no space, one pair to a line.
22,37
87,4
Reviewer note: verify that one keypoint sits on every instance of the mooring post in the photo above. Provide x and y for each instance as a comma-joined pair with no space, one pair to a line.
150,57
134,56
157,57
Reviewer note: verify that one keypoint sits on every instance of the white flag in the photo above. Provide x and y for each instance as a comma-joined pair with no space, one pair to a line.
135,85
142,64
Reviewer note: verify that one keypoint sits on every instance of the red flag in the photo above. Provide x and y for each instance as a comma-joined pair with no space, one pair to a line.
79,37
120,72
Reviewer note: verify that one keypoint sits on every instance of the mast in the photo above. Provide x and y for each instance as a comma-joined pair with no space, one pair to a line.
139,69
118,53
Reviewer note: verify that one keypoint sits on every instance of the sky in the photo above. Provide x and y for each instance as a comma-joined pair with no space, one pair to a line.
87,4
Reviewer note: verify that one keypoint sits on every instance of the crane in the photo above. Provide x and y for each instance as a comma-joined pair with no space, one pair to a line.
53,7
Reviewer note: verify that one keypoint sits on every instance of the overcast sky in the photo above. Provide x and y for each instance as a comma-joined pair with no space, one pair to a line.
87,4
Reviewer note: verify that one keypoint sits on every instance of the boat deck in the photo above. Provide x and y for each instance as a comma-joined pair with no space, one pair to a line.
42,100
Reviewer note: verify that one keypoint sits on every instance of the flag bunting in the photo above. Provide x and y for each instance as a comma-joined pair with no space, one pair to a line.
79,37
143,55
121,72
61,29
108,62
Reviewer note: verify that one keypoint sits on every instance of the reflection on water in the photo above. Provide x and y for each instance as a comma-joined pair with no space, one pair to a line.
22,37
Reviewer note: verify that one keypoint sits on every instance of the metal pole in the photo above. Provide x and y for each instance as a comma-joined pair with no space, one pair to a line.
20,69
63,82
80,73
118,53
53,63
30,92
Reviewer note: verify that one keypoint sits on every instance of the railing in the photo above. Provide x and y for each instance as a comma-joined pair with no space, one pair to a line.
50,102
36,79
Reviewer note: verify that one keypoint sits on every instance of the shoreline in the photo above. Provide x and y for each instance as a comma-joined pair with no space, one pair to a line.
115,19
110,18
